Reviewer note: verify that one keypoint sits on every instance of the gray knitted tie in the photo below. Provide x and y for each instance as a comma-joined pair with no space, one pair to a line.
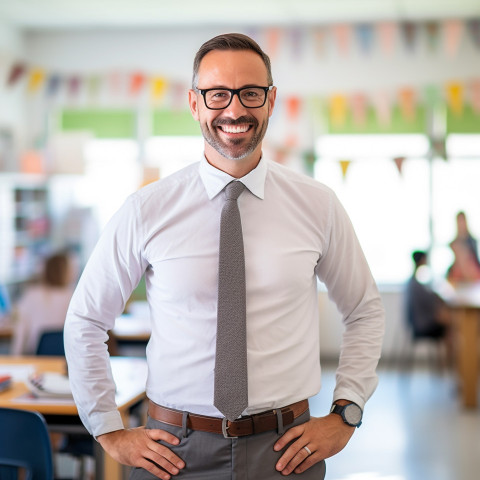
231,383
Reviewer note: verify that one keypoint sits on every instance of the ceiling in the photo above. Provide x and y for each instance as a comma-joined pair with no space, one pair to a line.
81,14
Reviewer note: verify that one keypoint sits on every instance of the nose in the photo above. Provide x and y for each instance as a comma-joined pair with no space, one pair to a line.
235,109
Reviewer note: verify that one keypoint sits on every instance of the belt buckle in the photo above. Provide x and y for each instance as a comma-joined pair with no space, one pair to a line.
225,428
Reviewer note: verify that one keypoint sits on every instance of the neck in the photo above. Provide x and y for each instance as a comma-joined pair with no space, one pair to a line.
235,168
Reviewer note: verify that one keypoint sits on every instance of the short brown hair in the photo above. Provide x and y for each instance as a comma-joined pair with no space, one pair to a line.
230,41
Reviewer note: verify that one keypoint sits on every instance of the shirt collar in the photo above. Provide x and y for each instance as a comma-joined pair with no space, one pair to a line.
215,180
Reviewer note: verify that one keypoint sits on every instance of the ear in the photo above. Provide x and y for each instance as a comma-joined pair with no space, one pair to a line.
272,95
193,102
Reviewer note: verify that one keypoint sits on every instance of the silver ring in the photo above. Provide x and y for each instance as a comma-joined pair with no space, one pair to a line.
307,449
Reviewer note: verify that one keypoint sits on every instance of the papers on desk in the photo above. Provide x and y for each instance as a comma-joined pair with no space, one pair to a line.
53,385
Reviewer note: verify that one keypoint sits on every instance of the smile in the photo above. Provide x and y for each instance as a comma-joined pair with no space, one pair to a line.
234,128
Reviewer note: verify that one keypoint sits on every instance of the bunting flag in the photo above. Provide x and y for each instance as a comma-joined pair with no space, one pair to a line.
474,30
296,40
53,85
342,35
74,84
319,41
407,100
439,148
409,33
365,37
386,34
399,163
35,80
452,35
309,161
382,103
93,87
178,96
455,97
338,110
16,73
159,86
358,103
475,96
344,165
115,81
293,107
273,41
137,82
433,34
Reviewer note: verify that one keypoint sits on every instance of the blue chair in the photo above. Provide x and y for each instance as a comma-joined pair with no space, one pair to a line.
51,343
24,444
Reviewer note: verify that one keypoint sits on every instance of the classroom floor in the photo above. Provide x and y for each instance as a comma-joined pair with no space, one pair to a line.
414,429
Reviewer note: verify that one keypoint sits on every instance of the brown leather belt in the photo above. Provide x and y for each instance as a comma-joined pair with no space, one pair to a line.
258,423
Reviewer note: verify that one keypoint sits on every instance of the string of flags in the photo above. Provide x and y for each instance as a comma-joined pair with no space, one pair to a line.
443,37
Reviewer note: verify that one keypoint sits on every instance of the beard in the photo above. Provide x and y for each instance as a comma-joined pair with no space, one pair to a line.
234,149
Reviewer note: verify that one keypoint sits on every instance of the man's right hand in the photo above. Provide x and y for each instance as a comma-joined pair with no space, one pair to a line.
138,447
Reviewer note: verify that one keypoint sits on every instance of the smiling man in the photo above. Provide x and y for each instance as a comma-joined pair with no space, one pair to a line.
234,352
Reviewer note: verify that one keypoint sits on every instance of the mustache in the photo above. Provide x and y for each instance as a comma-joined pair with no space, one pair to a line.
237,121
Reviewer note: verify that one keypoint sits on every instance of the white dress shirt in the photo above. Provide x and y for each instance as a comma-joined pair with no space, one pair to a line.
295,230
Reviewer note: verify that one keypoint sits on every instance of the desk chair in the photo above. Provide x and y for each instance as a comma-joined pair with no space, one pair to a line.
24,444
433,337
51,343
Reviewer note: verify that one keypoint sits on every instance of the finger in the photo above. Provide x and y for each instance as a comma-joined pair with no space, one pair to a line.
294,455
308,462
288,436
154,469
158,434
167,459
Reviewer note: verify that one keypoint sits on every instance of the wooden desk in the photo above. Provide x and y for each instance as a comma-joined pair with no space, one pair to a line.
464,300
130,378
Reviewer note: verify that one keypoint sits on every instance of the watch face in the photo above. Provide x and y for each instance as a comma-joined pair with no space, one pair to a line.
353,414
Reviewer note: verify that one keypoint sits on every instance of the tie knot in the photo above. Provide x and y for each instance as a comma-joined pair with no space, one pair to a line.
234,189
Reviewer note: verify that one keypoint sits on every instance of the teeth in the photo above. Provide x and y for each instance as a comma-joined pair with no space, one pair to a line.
234,128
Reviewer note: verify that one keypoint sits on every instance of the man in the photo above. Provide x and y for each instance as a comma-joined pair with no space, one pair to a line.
427,314
294,231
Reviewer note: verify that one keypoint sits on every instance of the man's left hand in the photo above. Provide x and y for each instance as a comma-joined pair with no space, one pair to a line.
324,437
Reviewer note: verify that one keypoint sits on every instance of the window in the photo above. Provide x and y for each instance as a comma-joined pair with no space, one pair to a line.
397,210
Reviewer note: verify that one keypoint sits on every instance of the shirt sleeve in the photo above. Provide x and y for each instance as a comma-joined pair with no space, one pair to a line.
344,270
112,272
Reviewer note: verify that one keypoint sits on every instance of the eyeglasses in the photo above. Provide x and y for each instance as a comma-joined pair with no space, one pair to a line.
220,98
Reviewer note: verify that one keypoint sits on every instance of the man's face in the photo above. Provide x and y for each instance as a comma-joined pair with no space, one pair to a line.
235,132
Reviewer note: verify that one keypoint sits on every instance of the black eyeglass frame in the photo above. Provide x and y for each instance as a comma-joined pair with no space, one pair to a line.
233,92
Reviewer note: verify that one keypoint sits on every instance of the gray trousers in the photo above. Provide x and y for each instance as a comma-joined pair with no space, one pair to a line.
210,456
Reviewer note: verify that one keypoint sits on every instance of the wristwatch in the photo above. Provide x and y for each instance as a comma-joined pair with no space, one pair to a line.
351,413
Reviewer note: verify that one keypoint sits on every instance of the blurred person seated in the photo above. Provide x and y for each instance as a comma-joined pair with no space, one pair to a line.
43,306
427,314
465,267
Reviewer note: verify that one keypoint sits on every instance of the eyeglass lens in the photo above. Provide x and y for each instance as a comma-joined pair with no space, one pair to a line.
250,97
